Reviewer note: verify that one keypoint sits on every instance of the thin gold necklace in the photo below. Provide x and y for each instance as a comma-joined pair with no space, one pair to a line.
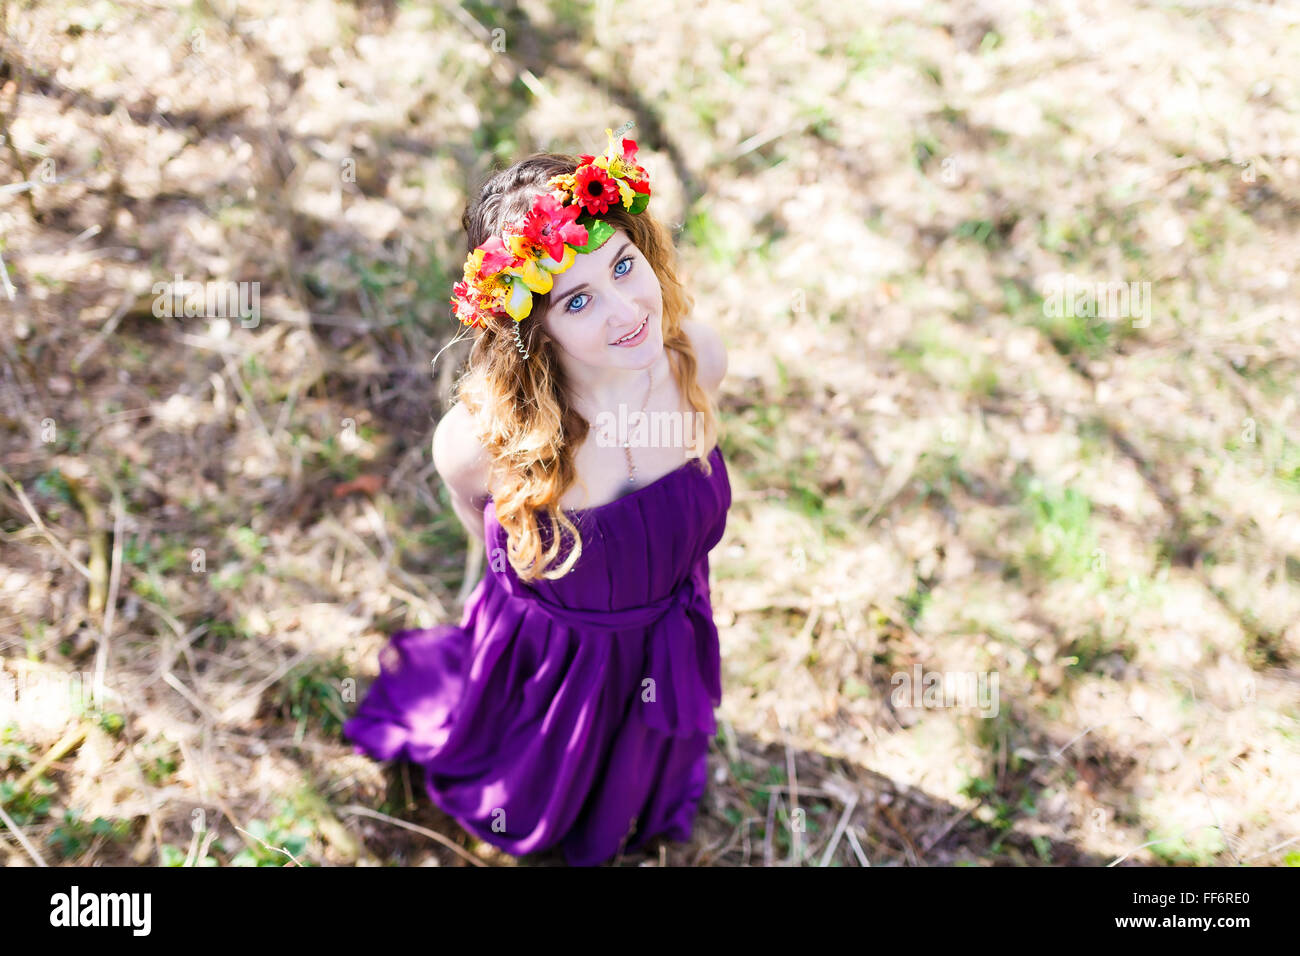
627,442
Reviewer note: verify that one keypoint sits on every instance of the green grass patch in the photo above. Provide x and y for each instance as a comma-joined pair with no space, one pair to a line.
983,232
312,694
1086,652
706,234
868,47
930,351
173,855
74,836
1064,543
915,601
30,806
1197,848
940,474
1071,334
288,830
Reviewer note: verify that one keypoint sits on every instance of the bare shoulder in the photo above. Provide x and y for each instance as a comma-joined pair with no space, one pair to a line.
460,458
710,353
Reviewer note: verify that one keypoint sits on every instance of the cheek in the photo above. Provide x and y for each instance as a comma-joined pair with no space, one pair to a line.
650,283
577,337
593,337
639,289
561,333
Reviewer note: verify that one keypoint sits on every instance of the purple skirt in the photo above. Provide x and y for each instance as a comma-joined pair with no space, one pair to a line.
574,712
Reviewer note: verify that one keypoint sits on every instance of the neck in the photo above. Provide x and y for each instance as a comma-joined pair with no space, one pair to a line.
594,390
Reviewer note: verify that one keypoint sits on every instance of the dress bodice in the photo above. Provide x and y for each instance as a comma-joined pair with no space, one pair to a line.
641,552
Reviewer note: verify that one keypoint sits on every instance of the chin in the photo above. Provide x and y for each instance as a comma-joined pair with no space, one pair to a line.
650,349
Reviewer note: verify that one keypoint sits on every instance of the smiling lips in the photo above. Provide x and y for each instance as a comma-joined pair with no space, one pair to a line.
633,334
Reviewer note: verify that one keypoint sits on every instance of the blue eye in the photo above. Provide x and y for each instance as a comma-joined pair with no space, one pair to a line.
630,260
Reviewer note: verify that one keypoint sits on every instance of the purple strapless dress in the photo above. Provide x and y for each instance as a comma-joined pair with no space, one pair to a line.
575,712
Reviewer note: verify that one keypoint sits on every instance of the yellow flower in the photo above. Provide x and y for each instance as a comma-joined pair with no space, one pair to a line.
534,275
473,264
563,183
627,193
520,302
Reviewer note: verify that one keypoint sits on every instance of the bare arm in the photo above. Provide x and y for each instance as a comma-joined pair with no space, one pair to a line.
710,354
463,465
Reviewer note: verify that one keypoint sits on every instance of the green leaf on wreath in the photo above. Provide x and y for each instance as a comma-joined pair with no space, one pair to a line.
597,232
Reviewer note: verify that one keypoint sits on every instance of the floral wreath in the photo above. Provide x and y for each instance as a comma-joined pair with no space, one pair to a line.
501,274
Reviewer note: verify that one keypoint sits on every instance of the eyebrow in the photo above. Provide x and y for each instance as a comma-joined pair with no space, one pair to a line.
574,291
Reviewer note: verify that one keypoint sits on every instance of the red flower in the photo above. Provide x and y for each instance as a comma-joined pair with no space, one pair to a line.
495,256
594,190
551,225
462,302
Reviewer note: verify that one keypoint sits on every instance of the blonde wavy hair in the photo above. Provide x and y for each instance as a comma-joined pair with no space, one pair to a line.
522,408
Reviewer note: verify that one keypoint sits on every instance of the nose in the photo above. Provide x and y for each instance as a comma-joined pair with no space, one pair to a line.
622,309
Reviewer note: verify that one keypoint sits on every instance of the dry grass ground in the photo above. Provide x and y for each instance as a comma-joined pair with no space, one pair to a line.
933,467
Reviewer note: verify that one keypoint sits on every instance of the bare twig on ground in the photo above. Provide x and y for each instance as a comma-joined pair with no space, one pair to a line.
913,854
929,844
839,831
71,739
374,814
277,849
45,531
796,832
21,837
770,827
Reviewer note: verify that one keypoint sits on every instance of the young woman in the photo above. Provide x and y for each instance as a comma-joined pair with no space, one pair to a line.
573,704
